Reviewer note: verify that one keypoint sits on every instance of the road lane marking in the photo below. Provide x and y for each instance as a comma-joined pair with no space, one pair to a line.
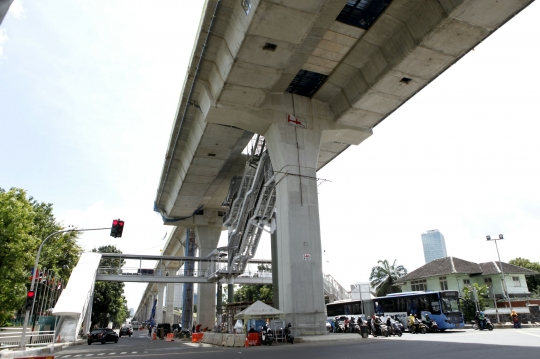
534,335
182,353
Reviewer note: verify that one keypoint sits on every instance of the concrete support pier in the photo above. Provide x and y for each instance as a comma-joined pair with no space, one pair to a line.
169,311
294,154
207,238
159,306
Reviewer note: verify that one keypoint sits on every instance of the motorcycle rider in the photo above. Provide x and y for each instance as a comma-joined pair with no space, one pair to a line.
377,324
410,319
481,321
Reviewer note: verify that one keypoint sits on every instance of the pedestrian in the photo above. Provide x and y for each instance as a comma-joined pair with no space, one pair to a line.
515,319
149,330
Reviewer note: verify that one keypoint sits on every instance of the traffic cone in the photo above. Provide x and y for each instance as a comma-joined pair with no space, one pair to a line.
246,343
58,339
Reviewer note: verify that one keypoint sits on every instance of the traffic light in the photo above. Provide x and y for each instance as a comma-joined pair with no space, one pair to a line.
30,296
117,228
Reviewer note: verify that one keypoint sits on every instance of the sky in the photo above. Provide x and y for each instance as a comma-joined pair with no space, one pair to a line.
88,94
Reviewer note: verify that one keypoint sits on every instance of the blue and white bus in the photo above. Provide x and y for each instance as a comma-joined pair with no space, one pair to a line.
442,306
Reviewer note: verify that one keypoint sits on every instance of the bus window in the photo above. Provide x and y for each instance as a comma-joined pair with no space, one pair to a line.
356,308
434,302
347,308
423,304
390,305
413,306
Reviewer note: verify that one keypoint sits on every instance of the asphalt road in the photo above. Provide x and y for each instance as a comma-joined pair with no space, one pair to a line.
508,343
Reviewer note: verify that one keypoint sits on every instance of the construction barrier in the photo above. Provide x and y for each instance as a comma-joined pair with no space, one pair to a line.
253,339
196,337
169,337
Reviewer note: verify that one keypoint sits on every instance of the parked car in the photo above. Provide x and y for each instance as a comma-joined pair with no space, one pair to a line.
166,328
102,335
126,330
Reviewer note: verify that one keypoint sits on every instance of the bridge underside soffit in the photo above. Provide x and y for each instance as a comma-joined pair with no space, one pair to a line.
341,66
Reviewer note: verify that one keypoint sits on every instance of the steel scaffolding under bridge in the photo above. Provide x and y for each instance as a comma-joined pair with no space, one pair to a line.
163,272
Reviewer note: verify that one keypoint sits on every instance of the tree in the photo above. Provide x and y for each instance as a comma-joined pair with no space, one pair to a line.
24,224
109,303
469,310
533,281
384,276
254,292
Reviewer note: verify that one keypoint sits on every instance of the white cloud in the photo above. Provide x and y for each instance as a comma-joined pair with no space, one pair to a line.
17,9
3,39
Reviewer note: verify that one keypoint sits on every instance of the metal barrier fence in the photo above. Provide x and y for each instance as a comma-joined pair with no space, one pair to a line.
11,338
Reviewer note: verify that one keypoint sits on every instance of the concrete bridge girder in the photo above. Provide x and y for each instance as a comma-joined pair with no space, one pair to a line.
240,90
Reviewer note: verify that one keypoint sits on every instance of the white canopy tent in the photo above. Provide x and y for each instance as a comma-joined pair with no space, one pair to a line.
259,310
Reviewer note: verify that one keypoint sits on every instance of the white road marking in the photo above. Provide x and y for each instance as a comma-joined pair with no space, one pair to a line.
534,335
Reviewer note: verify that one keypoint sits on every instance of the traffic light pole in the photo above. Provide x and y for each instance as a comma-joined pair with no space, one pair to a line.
33,282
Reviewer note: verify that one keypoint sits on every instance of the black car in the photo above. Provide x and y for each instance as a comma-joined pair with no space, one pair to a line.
102,335
166,328
125,331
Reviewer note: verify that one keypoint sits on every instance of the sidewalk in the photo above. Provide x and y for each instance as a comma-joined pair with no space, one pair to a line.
43,351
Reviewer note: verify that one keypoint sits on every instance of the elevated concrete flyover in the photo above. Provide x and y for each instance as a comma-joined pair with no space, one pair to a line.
312,77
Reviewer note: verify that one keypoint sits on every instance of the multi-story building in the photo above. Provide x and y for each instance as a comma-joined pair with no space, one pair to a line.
434,245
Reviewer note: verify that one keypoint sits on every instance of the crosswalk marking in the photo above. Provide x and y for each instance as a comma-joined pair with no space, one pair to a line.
123,353
133,352
112,353
89,355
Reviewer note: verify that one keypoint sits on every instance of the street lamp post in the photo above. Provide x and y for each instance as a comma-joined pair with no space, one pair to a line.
26,316
505,290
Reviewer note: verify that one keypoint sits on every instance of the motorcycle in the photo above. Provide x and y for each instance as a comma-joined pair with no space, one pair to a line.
487,324
267,337
380,329
431,325
339,327
394,328
288,334
418,327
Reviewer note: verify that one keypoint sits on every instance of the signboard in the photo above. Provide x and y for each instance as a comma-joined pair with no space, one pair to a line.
296,122
307,256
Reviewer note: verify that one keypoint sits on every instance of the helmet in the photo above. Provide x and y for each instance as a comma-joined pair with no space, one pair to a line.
481,313
336,317
289,325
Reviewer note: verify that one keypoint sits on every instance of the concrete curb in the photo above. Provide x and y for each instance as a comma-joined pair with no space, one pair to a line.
49,349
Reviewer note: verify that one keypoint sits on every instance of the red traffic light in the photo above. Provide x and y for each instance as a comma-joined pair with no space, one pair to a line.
117,228
30,294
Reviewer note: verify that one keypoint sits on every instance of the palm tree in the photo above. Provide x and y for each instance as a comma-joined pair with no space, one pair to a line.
384,276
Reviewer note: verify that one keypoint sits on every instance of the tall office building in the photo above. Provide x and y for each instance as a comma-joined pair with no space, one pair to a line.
434,246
